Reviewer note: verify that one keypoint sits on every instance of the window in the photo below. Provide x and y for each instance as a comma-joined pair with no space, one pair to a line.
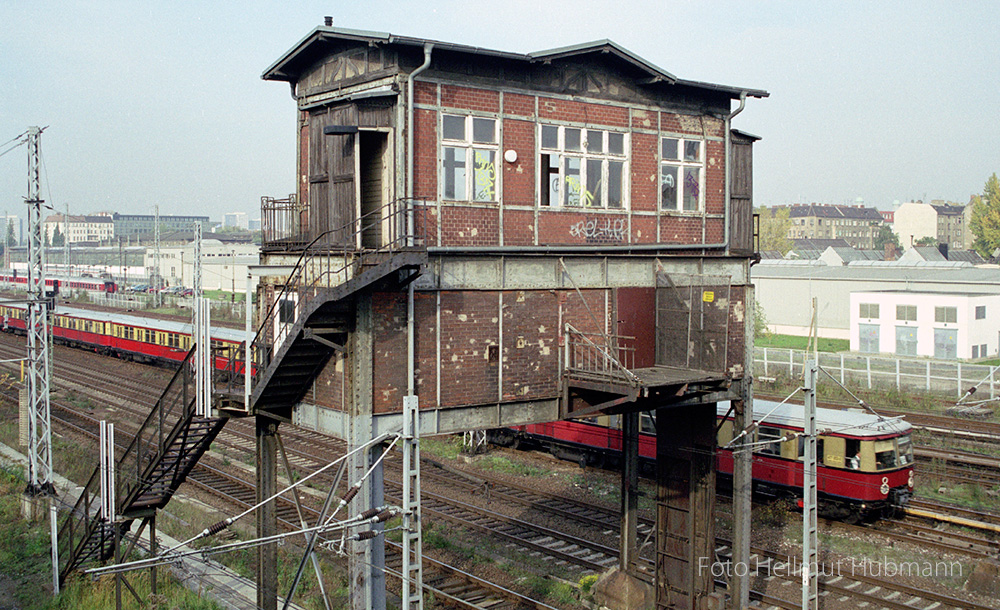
868,336
469,143
980,312
906,313
582,167
946,343
682,174
975,351
868,310
906,341
771,436
946,315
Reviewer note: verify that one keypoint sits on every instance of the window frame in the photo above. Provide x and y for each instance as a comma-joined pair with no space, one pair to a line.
585,156
682,164
470,148
902,310
947,312
980,309
868,308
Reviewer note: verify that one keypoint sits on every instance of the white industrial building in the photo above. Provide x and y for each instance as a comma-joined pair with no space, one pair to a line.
224,265
932,324
785,290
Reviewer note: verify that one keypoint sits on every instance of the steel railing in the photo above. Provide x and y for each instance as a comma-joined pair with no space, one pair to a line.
175,404
609,356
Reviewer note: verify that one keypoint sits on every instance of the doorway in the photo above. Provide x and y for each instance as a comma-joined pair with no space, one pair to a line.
375,185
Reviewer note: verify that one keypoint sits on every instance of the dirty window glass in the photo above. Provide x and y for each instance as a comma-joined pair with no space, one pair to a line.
453,127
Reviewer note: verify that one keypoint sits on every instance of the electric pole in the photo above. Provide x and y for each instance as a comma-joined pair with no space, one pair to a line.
156,256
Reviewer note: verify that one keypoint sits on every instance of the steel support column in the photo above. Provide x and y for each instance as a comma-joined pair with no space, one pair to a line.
629,491
739,583
685,504
267,515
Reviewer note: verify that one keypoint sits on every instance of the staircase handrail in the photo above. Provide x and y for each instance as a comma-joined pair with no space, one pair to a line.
605,352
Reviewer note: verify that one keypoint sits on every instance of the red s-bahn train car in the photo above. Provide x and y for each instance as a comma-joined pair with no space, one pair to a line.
131,337
865,463
66,284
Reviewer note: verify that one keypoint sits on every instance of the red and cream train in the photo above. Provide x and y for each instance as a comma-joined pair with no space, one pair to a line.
865,462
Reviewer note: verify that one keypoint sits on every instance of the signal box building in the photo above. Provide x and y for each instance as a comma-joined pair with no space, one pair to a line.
512,238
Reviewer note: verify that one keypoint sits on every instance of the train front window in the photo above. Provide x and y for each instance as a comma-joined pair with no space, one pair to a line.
905,445
885,455
646,425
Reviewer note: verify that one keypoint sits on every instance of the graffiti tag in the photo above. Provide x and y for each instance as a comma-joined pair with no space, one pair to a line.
595,229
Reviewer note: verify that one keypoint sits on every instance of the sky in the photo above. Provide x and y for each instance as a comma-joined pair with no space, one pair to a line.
156,103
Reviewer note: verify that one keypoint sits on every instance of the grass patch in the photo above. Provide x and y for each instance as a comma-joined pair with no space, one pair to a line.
443,447
800,343
505,465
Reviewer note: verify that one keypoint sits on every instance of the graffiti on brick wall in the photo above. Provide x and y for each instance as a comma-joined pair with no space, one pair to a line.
485,176
594,229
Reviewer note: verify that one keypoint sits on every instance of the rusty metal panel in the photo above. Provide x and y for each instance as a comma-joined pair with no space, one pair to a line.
636,317
692,321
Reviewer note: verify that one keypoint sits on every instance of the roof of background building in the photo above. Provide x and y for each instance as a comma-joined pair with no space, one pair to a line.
853,254
72,218
819,244
943,273
949,210
823,210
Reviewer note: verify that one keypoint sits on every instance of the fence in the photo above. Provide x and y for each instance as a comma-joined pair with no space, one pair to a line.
221,309
948,377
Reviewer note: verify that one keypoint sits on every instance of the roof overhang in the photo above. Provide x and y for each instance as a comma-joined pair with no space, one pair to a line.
290,66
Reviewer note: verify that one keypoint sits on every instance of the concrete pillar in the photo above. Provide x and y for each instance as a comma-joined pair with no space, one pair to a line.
365,558
267,515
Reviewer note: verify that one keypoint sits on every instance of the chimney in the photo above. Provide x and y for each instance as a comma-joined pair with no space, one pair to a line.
890,251
943,249
328,21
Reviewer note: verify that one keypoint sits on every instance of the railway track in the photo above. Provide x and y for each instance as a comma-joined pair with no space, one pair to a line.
562,508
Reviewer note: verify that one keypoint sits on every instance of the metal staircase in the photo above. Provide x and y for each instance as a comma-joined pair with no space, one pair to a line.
308,320
312,315
148,472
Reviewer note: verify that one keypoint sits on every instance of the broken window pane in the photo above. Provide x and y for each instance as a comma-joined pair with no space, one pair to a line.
615,184
454,173
692,188
484,175
572,139
593,194
572,181
483,131
692,151
453,127
668,187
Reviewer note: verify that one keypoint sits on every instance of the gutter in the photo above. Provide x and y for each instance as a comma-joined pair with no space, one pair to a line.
410,330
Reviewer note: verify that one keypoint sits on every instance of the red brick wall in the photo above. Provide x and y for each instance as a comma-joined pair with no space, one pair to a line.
582,228
521,105
469,325
582,112
468,98
328,389
519,177
467,226
518,227
425,93
530,344
425,154
645,171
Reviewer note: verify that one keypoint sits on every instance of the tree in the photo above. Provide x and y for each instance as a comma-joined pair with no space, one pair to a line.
926,241
886,236
11,240
57,237
774,226
985,223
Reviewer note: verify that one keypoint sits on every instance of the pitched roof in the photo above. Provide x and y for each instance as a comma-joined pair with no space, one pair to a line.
299,58
831,211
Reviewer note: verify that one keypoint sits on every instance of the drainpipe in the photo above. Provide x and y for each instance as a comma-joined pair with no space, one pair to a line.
626,249
410,351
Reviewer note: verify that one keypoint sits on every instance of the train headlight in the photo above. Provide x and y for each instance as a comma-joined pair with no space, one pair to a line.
909,481
885,486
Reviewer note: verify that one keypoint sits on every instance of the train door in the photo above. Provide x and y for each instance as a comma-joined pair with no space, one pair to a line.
636,317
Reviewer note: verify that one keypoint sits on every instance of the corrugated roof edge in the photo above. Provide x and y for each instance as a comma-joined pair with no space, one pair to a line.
273,71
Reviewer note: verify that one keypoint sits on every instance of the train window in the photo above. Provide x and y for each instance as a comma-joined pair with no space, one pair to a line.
852,450
771,436
905,450
819,450
646,424
885,455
